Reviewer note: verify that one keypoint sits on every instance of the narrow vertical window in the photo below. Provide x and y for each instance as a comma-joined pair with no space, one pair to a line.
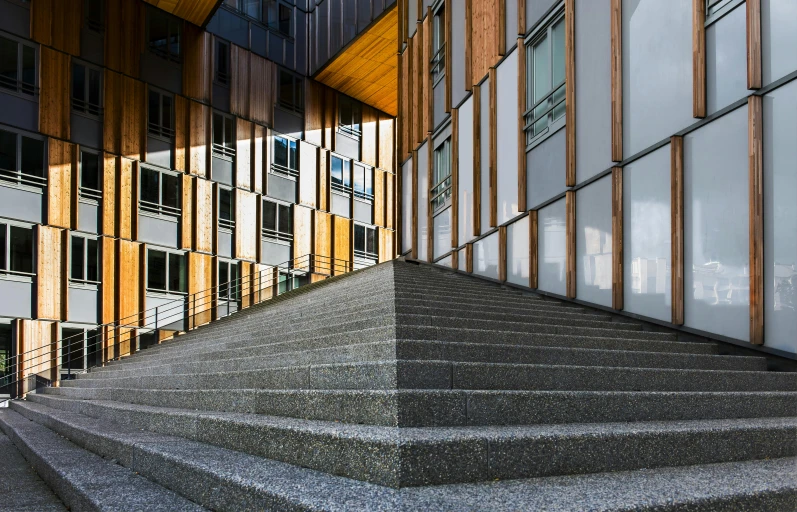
226,209
291,94
17,66
438,44
363,182
95,15
545,80
365,245
223,140
164,31
86,89
161,115
285,156
222,75
349,116
441,175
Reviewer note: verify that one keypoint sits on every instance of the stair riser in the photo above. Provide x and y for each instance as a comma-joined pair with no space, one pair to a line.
541,326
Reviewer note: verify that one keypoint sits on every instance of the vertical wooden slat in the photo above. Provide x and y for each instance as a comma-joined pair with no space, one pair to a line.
308,156
129,299
677,226
243,154
239,84
197,63
330,118
521,122
110,166
259,158
617,238
501,32
756,186
379,198
200,278
617,80
50,253
368,141
386,153
754,75
133,118
313,111
62,157
493,147
570,208
570,93
111,126
390,202
699,58
469,258
521,17
198,139
134,193
186,221
124,22
322,241
245,220
533,249
502,253
108,286
262,78
454,177
323,180
203,215
124,198
41,21
54,105
302,233
342,244
477,161
181,147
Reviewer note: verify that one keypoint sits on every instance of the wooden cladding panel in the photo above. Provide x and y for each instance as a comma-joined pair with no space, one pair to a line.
124,198
379,198
756,190
484,36
63,164
386,153
468,258
308,156
386,252
302,232
37,340
181,147
368,141
323,180
502,253
124,126
454,177
405,118
493,147
246,237
200,278
617,79
129,299
259,158
197,12
477,161
617,238
330,118
243,154
111,166
112,112
203,215
341,243
677,226
570,272
322,240
186,221
699,58
108,288
521,133
261,91
533,249
198,139
469,44
54,105
124,36
521,17
570,93
417,89
426,74
754,73
57,23
51,289
313,112
239,83
197,63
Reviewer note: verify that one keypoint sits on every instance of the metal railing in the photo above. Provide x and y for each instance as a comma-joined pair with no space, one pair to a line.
42,366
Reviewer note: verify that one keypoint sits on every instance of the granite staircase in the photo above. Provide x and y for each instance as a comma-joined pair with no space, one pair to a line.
407,387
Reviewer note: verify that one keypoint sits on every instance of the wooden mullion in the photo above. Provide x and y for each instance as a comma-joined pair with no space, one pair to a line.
754,72
677,227
414,231
617,79
756,190
502,253
477,161
429,220
699,58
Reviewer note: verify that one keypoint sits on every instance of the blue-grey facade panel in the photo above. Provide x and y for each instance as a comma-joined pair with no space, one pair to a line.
225,245
16,297
21,204
19,111
456,52
347,146
161,73
341,205
89,217
288,123
165,311
92,46
778,39
160,152
221,97
594,242
83,305
259,37
363,211
222,170
86,131
159,230
15,18
536,11
274,253
281,188
545,170
439,102
726,60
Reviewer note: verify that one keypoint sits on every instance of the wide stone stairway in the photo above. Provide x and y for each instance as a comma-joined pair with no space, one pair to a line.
405,387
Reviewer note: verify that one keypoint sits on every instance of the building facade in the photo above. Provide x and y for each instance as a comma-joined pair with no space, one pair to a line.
634,155
148,155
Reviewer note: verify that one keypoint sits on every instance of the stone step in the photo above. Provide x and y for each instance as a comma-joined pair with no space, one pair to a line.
86,481
21,489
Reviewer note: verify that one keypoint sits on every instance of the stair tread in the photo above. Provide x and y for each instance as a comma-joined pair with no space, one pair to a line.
21,489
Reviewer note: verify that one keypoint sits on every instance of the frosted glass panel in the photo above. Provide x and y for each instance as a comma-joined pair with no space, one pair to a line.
446,262
726,60
552,248
463,261
507,140
657,71
484,92
423,199
517,252
485,256
716,238
594,242
442,232
406,206
545,167
778,39
780,218
465,219
647,236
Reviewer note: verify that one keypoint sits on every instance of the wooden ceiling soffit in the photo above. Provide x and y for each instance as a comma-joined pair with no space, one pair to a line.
197,12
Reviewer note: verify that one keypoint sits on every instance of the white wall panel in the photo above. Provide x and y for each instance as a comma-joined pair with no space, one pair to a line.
647,236
593,88
484,92
552,248
507,138
485,256
423,199
716,236
446,262
657,71
517,252
442,232
457,53
465,192
406,206
594,242
726,60
780,218
778,39
462,264
545,170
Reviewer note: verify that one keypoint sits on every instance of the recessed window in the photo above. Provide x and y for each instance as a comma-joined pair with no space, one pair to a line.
21,159
226,209
222,71
159,192
291,95
545,80
340,171
84,259
363,182
17,66
86,89
349,116
161,115
229,284
163,36
279,17
90,184
223,136
16,249
95,15
285,156
365,242
441,175
438,44
166,271
277,221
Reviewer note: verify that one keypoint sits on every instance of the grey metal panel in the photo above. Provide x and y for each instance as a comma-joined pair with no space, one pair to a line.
170,311
288,123
363,211
406,206
778,39
484,92
507,138
341,205
259,41
593,88
510,8
485,256
412,18
347,146
441,226
726,60
594,242
159,152
281,188
233,27
545,170
462,260
86,131
161,72
335,26
465,192
20,204
15,18
517,252
16,298
780,218
439,102
535,11
221,97
221,170
716,229
552,248
657,71
290,54
275,49
647,265
446,262
274,253
363,14
301,42
92,46
423,200
456,52
225,243
83,305
88,217
442,135
159,231
19,111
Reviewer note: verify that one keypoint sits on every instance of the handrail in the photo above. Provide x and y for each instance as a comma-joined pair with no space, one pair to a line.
199,308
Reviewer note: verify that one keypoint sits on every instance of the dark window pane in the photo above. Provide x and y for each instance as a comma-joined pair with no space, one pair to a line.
337,170
166,114
218,129
89,170
79,84
8,63
3,262
292,155
235,284
33,156
355,116
177,274
298,93
78,257
359,237
285,20
94,15
253,8
92,260
21,249
224,277
370,241
154,111
359,179
346,173
171,190
28,68
281,151
225,204
228,127
174,37
94,91
344,104
269,215
285,220
158,30
156,270
8,151
149,186
286,88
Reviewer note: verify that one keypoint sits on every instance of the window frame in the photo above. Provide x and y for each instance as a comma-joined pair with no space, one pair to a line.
364,254
25,181
85,282
363,195
437,65
165,54
224,287
279,169
169,252
276,234
160,210
275,24
26,91
297,89
441,187
341,187
225,224
221,78
157,130
17,275
85,194
716,9
222,150
545,30
348,128
88,110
